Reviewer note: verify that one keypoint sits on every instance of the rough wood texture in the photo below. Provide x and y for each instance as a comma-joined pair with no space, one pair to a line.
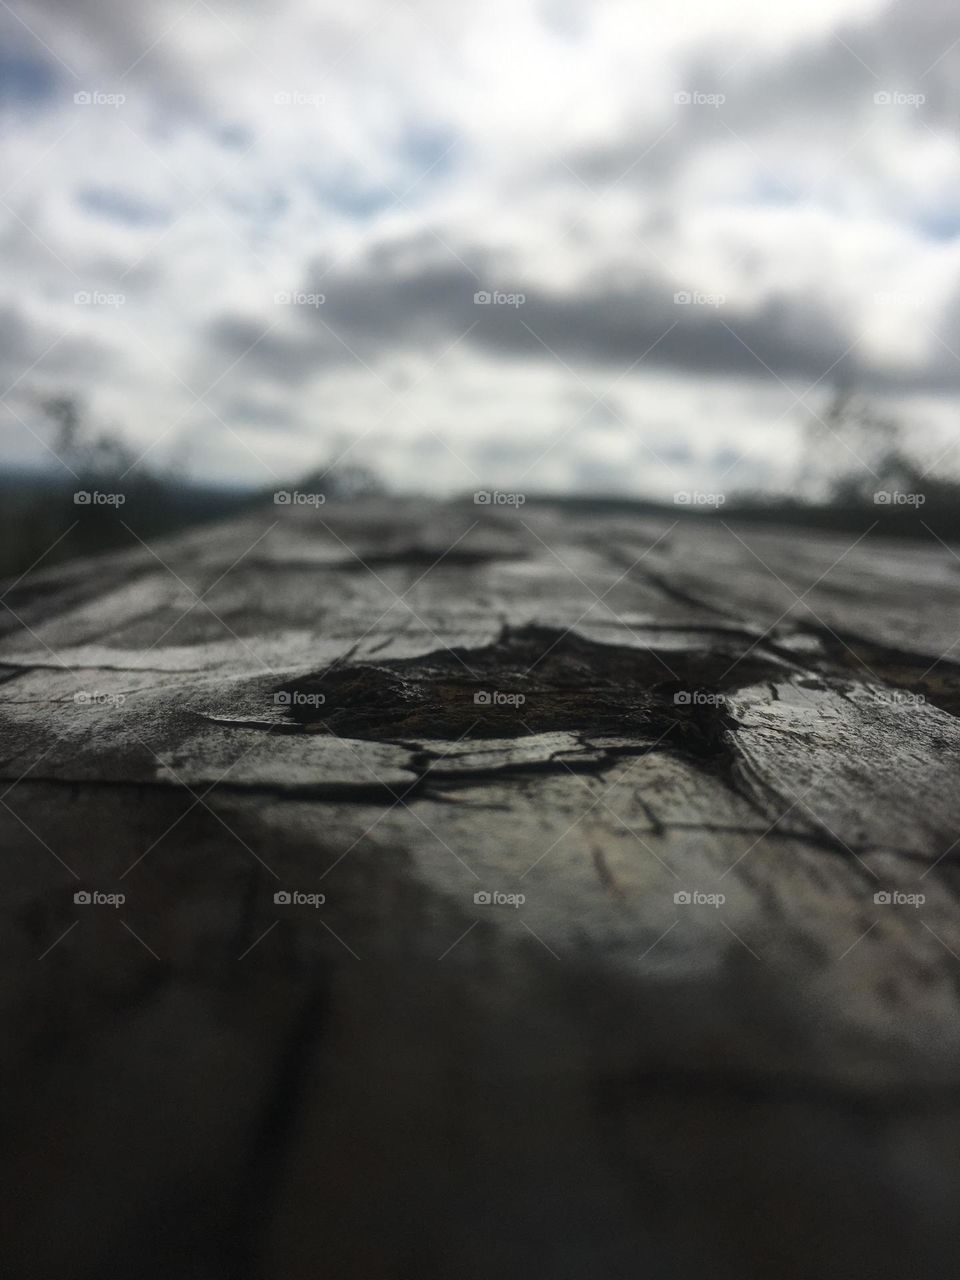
406,1082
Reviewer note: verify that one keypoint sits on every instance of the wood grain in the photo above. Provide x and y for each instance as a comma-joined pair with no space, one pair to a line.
600,1079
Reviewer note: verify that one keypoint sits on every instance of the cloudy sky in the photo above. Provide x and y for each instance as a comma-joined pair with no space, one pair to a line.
251,236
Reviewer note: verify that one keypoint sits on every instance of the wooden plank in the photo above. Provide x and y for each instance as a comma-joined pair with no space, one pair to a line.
677,1031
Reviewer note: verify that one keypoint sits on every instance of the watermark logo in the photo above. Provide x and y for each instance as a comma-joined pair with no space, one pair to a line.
97,98
896,498
88,698
494,898
94,498
296,898
894,898
895,98
694,98
294,698
94,898
698,498
497,298
697,698
294,498
291,98
695,898
688,298
899,698
298,298
497,498
485,698
94,298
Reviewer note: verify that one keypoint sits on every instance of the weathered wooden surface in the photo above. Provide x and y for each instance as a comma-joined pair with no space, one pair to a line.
601,1081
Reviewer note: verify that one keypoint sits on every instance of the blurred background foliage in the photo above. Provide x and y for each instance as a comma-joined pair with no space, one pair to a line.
852,453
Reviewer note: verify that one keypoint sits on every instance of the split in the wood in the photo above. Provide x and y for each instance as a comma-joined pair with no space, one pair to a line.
532,680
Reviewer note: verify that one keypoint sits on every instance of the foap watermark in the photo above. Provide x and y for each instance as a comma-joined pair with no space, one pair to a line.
697,698
297,898
494,698
498,498
696,898
96,298
897,498
698,498
97,98
294,498
894,898
293,98
696,98
497,298
96,898
899,698
694,298
295,698
494,898
299,298
897,98
94,498
93,698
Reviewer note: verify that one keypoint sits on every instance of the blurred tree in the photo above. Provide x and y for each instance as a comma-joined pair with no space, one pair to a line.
343,480
852,450
65,413
99,457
